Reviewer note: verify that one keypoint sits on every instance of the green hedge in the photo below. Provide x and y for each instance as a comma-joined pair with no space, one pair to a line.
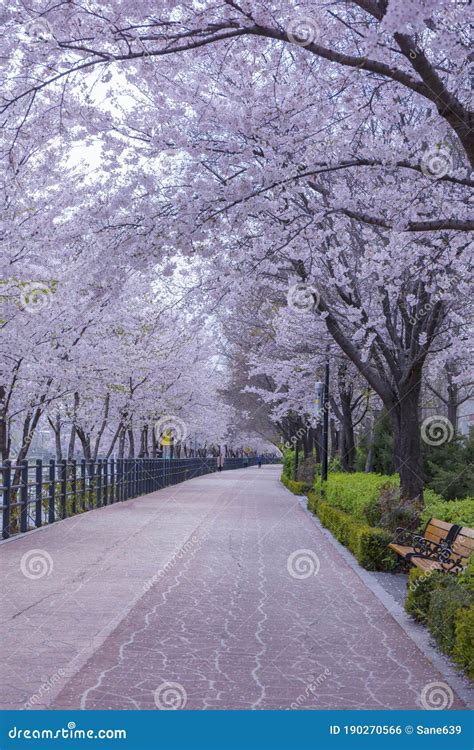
452,511
368,544
297,488
445,603
357,493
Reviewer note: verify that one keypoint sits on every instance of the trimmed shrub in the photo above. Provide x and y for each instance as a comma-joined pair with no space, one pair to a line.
445,603
356,493
297,488
463,651
454,511
369,545
420,587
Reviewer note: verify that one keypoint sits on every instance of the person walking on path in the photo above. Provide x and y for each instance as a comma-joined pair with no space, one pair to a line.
220,462
259,461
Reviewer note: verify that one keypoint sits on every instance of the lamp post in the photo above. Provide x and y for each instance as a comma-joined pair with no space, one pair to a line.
325,447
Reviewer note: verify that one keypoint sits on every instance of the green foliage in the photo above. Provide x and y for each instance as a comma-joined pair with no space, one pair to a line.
467,577
335,464
463,650
420,587
382,448
289,462
445,603
449,468
383,461
356,493
455,511
297,488
360,457
369,545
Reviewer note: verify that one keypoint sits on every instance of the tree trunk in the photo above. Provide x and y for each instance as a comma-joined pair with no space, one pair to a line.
348,443
121,447
143,442
333,438
405,418
453,405
4,443
369,461
131,443
57,438
318,441
307,444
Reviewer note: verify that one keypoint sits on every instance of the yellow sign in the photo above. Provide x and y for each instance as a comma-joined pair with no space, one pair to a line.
167,438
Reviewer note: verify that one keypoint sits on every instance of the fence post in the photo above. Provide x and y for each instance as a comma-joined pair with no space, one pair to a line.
39,493
24,496
112,481
52,492
7,483
83,483
105,465
126,478
74,485
99,484
119,478
63,475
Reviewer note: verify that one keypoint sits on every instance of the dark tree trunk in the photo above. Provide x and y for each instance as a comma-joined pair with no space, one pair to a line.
143,442
318,441
405,418
348,451
334,438
369,461
307,444
453,402
131,443
121,445
72,436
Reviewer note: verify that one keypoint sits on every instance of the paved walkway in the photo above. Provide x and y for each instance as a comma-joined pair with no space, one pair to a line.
220,592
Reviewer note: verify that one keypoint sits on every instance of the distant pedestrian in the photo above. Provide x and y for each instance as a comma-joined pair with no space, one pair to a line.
259,461
220,462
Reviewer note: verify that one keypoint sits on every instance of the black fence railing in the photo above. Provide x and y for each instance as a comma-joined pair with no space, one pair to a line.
34,494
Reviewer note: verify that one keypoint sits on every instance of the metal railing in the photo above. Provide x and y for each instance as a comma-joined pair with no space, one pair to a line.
34,494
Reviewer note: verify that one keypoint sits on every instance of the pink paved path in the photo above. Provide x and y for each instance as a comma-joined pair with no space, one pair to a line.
190,585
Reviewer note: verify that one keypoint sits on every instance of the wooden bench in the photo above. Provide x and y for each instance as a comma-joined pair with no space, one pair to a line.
442,546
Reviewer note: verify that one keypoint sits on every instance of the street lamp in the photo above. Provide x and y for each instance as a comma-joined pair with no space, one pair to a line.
321,401
325,450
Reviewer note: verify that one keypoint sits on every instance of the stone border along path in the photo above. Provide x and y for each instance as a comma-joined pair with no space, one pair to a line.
219,593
